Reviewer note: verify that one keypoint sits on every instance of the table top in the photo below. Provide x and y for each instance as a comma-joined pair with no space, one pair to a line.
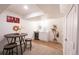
15,35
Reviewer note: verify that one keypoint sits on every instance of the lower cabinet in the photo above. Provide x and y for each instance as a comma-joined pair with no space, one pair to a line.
44,36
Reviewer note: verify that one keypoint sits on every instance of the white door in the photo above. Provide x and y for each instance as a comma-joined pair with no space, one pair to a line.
70,41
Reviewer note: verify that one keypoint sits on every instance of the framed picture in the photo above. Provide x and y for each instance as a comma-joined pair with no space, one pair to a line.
13,19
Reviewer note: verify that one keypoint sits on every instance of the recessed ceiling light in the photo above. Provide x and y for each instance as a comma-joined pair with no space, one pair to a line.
26,7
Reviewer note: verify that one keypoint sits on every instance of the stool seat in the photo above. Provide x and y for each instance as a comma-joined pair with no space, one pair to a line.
10,46
28,39
30,42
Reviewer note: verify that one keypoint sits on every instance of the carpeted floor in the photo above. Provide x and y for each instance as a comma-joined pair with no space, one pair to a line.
37,49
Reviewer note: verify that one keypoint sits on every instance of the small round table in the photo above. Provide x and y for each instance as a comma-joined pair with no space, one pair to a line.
14,36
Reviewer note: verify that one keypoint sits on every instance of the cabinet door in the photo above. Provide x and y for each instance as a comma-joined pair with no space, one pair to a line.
43,36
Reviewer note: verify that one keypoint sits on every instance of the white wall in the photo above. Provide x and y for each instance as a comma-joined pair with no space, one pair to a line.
6,27
27,28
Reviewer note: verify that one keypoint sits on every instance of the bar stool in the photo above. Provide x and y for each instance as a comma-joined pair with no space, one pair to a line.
9,48
28,40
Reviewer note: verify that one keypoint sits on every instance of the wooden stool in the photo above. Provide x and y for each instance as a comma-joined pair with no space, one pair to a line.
9,48
30,41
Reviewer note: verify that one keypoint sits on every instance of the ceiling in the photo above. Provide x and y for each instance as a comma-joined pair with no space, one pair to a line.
49,10
3,7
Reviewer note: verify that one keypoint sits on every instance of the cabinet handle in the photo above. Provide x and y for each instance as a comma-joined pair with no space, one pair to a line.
66,39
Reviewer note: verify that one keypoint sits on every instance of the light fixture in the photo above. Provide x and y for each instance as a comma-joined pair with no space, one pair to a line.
25,7
35,14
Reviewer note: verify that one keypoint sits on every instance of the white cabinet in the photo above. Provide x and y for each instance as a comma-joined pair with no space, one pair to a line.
44,36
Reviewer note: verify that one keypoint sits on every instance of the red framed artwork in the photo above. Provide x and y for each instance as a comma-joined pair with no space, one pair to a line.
13,19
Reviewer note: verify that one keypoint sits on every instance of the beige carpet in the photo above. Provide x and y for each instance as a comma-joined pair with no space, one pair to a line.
38,49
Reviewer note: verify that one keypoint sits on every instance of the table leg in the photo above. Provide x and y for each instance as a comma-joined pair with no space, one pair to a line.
20,39
11,40
7,40
15,40
23,42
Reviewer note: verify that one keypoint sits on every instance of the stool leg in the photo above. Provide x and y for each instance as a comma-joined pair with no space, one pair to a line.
12,51
9,52
3,52
30,45
26,44
6,51
17,50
